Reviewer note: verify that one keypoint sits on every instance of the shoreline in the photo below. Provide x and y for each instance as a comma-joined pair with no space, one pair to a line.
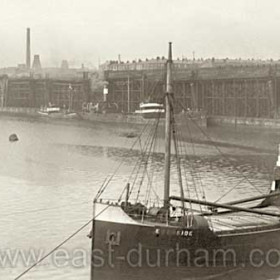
221,121
221,135
244,122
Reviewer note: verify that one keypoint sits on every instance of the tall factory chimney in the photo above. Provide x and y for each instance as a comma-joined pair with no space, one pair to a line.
28,51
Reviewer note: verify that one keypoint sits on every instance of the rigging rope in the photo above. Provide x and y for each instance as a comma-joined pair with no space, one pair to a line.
191,171
60,244
109,178
219,150
143,162
230,190
137,166
148,157
196,173
140,160
150,177
177,155
185,171
199,177
152,146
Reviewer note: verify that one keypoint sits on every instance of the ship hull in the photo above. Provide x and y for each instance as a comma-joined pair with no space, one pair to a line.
124,248
58,115
152,115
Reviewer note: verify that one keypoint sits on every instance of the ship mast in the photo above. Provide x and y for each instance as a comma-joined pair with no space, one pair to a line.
168,109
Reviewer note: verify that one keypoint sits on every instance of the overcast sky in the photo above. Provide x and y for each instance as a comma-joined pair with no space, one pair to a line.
82,31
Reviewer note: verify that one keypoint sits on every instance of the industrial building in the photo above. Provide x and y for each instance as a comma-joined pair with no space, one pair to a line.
33,86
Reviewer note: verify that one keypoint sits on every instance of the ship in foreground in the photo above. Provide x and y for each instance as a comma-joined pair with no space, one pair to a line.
183,236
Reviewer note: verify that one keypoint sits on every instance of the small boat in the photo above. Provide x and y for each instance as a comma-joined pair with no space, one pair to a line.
181,235
49,110
151,110
54,111
70,114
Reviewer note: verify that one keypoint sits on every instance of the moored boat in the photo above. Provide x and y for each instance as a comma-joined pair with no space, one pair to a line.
182,235
54,111
49,110
151,110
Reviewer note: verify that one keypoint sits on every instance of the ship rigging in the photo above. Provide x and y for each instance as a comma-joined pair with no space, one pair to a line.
185,220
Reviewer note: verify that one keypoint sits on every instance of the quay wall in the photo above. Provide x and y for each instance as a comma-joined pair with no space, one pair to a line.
252,122
119,118
24,111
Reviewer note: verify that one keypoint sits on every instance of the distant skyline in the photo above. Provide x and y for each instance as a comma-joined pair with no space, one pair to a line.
86,31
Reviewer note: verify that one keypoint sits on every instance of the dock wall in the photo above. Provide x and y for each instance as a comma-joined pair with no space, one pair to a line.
25,111
252,122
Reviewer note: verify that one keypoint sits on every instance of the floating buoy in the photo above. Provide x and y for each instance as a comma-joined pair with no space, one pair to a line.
129,135
13,138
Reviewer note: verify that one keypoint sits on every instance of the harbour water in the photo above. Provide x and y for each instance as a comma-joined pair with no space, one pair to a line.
49,177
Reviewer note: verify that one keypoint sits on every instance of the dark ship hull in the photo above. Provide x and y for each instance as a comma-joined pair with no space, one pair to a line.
125,248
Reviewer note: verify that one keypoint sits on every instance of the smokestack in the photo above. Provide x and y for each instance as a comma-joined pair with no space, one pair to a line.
28,51
36,62
170,52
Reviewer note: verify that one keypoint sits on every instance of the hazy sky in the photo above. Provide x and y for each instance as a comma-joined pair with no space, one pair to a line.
82,31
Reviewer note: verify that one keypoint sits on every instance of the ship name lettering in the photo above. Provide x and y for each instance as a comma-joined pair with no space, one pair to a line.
186,233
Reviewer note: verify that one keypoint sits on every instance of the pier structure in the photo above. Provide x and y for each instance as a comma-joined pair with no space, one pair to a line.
247,91
3,89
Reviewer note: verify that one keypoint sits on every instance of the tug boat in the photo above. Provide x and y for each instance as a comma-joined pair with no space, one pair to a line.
151,110
54,111
49,110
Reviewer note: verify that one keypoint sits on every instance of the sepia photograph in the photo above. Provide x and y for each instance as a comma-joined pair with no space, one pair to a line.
140,140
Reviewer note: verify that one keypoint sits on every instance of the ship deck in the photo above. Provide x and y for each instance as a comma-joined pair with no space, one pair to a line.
241,221
233,222
229,223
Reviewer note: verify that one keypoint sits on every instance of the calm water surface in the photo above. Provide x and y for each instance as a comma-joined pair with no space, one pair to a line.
50,176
